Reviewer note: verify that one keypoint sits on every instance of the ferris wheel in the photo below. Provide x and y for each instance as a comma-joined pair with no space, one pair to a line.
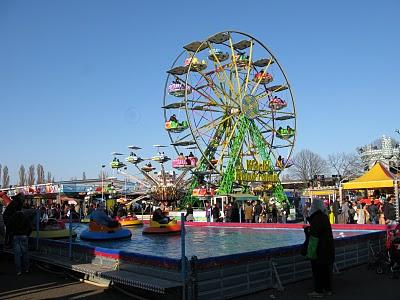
228,98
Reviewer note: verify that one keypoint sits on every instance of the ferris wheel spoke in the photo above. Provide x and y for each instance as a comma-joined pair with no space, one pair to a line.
210,125
268,128
217,70
235,66
216,89
248,69
193,88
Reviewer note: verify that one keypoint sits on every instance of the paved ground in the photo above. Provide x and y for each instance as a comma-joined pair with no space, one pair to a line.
354,284
39,284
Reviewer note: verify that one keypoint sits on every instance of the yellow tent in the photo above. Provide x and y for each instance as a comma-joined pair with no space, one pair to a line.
377,177
320,192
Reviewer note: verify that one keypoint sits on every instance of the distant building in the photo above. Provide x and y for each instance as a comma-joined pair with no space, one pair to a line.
387,152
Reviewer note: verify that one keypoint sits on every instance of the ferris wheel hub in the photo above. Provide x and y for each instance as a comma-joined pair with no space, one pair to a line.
250,107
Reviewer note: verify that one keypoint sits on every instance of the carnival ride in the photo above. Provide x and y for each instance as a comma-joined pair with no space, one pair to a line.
172,227
161,186
97,232
233,105
52,229
115,163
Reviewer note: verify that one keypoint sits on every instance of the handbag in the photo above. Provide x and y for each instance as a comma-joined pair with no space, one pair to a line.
312,247
304,247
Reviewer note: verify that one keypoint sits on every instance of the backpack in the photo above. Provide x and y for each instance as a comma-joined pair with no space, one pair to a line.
352,212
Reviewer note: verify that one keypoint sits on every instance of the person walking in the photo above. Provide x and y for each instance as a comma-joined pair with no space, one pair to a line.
321,249
20,229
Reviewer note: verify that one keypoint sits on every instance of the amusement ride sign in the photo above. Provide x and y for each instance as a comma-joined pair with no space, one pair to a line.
257,172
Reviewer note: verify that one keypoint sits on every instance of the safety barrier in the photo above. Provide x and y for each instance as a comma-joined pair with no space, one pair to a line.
221,277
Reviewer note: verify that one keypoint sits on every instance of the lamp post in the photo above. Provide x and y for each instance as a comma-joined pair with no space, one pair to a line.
125,184
102,183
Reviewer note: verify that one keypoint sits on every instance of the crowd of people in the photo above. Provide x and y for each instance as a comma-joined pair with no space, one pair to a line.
250,212
362,211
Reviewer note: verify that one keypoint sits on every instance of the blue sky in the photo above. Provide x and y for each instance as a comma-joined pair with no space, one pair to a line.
80,79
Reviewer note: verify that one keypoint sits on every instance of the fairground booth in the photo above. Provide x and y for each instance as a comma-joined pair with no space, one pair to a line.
377,178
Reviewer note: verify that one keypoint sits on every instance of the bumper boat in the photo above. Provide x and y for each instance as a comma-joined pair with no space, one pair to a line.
156,228
97,232
129,221
53,229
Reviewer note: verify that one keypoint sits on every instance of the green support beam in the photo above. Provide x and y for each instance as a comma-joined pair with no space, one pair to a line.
278,193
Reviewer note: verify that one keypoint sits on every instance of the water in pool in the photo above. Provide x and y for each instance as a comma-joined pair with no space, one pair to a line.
208,241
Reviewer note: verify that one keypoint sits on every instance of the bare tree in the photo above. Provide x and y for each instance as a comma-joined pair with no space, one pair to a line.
49,177
83,176
22,176
40,174
345,164
31,175
6,177
307,164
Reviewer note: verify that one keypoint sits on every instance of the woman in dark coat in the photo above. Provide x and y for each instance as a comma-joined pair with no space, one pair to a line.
320,230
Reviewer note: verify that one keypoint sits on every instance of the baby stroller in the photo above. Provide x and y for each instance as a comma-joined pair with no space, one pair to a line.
390,259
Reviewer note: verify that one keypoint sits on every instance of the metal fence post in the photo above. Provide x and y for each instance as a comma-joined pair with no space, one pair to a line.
183,256
70,235
37,228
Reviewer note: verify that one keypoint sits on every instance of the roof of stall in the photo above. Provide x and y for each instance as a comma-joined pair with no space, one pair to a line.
377,177
243,197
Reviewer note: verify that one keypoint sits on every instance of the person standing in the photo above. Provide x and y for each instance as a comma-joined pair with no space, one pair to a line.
20,228
390,212
336,209
361,214
321,249
305,211
2,231
229,212
285,212
248,212
274,213
344,215
257,212
235,213
373,212
189,214
208,211
216,213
